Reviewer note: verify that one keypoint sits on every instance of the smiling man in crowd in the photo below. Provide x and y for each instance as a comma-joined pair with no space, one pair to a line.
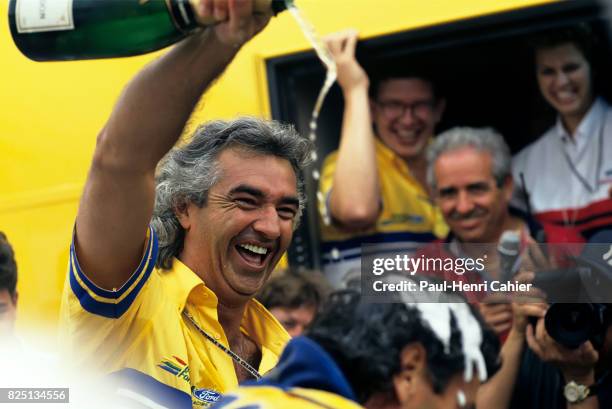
470,176
164,266
373,188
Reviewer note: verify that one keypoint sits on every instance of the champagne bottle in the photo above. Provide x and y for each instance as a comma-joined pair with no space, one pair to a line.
55,30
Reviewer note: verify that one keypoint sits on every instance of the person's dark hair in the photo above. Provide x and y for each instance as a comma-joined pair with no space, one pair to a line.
8,266
393,71
366,339
580,35
187,172
293,289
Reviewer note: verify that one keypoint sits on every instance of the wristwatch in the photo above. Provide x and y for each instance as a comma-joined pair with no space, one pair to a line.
576,393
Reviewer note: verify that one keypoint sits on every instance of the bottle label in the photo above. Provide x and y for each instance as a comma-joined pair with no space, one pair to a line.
35,16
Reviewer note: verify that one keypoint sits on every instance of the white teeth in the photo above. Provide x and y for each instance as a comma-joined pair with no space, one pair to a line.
566,95
255,249
406,134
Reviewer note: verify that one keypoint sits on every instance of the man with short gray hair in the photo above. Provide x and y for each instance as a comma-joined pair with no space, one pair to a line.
164,265
470,176
469,172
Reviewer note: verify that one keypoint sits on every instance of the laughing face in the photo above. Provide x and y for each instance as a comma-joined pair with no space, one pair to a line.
235,240
564,77
474,207
405,114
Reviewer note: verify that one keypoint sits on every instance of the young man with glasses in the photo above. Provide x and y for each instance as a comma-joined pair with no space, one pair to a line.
372,188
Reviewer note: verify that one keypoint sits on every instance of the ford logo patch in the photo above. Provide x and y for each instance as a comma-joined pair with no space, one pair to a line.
206,395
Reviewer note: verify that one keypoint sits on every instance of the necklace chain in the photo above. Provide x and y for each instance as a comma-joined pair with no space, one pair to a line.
243,363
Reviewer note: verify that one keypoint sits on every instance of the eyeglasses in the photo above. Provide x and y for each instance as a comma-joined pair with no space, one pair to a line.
396,109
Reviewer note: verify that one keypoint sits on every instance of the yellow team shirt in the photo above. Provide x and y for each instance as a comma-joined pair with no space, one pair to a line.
268,397
407,218
138,332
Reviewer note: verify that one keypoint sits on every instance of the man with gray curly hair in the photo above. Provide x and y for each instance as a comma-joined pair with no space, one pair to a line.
164,265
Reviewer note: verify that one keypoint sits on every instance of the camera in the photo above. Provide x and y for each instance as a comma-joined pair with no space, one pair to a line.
580,310
573,324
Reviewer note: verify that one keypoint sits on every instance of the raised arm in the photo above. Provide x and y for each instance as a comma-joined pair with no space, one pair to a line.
118,198
355,196
497,392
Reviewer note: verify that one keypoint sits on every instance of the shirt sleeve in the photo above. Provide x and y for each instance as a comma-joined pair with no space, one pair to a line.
110,304
101,330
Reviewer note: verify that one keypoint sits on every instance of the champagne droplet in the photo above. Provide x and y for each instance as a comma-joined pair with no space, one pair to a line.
315,174
461,399
335,253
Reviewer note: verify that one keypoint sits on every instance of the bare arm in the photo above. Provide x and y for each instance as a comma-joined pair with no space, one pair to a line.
118,198
497,392
355,197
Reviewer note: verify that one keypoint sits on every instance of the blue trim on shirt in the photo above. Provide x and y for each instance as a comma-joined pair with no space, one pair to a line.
150,388
391,237
114,294
114,310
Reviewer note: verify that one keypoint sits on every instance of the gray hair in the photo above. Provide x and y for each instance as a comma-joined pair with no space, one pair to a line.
188,172
481,139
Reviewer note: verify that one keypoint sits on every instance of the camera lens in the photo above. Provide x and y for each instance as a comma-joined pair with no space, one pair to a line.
571,324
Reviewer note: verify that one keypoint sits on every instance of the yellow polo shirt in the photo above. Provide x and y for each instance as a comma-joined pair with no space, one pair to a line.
407,219
138,333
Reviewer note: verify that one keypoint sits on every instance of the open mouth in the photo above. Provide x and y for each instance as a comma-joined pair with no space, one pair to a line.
254,255
469,224
566,96
405,136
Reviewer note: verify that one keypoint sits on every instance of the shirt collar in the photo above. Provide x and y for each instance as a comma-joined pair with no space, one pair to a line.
184,281
384,151
257,321
589,124
386,155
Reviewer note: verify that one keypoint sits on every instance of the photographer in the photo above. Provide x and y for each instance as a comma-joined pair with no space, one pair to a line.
582,366
567,362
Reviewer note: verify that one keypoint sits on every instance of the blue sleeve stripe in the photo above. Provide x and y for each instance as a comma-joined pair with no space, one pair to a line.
150,388
148,258
115,310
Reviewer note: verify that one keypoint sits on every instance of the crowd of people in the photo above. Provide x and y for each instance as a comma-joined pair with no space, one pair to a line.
171,286
556,190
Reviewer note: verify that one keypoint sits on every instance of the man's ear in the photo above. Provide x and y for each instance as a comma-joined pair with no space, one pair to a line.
413,360
182,214
14,298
